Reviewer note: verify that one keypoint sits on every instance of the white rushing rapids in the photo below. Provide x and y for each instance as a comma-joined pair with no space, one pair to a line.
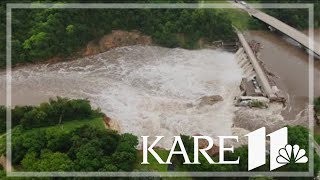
147,90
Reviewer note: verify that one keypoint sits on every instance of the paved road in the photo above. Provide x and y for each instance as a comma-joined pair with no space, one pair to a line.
281,26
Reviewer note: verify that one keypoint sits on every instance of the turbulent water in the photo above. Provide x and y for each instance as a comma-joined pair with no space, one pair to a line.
147,90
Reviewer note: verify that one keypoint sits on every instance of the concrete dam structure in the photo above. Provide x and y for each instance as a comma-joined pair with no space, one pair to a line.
256,83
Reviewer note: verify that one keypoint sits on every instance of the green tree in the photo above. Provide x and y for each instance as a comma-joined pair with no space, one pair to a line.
89,157
24,142
2,119
48,161
58,140
34,118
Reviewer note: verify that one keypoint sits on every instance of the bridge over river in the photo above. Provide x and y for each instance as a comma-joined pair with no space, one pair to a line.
296,35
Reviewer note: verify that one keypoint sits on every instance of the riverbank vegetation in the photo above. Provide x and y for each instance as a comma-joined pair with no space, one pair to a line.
80,142
44,34
56,111
154,164
41,34
241,19
85,148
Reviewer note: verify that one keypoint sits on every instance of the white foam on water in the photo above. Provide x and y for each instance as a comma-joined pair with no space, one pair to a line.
148,90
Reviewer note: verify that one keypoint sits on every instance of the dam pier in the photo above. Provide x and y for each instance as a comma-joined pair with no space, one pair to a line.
256,85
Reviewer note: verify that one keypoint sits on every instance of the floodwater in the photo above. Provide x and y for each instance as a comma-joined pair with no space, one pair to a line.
147,90
290,63
150,91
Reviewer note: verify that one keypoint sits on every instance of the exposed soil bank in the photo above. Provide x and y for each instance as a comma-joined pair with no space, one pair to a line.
117,38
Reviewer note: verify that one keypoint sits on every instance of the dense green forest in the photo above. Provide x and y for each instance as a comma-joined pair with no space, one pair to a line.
83,149
48,138
39,34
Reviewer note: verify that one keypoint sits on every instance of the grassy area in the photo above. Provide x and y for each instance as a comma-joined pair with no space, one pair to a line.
239,19
71,125
154,164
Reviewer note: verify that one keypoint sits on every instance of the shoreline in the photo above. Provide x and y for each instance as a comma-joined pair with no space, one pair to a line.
116,39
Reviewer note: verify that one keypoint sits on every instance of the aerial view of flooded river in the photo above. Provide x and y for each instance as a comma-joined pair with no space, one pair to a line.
149,90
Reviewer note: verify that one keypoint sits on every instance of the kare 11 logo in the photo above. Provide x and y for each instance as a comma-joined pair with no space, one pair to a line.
281,153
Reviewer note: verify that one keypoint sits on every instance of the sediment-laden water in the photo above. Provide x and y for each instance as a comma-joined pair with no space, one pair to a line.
147,90
290,63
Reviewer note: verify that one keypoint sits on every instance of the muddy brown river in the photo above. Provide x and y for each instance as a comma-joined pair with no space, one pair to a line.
289,62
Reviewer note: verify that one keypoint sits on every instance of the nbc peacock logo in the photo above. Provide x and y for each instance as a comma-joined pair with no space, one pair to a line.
292,154
280,151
